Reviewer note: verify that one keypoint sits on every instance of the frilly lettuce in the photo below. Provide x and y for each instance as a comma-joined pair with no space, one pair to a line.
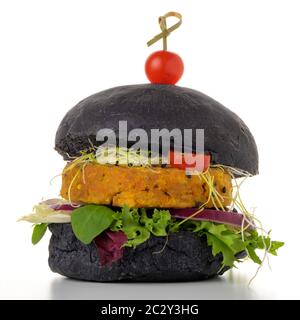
138,227
229,242
43,213
159,222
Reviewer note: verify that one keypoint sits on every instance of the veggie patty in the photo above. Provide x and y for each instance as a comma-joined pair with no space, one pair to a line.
142,187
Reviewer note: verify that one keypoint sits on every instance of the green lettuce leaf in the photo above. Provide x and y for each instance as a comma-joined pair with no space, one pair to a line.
129,219
158,223
221,238
91,220
219,246
138,226
229,242
38,232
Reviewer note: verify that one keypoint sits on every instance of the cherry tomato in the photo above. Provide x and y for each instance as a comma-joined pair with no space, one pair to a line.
164,67
199,162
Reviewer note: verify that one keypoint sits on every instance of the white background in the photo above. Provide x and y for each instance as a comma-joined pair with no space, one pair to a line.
244,54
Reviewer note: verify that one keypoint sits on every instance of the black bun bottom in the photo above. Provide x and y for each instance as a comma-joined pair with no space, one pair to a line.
185,257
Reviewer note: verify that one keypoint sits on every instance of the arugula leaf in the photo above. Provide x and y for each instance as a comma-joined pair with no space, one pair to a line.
275,245
90,220
38,232
253,256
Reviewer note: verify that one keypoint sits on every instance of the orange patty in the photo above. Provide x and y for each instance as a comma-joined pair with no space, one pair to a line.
141,187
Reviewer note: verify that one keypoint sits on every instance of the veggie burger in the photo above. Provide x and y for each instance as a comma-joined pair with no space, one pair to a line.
135,214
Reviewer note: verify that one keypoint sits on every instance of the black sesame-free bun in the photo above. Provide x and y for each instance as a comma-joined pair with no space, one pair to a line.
185,257
152,106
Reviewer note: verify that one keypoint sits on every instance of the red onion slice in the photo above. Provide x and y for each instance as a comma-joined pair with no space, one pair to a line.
225,217
62,205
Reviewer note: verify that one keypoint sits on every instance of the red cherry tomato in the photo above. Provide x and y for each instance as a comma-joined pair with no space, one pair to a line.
164,67
198,162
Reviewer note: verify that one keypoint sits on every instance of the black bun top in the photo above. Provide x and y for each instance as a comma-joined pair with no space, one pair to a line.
149,106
